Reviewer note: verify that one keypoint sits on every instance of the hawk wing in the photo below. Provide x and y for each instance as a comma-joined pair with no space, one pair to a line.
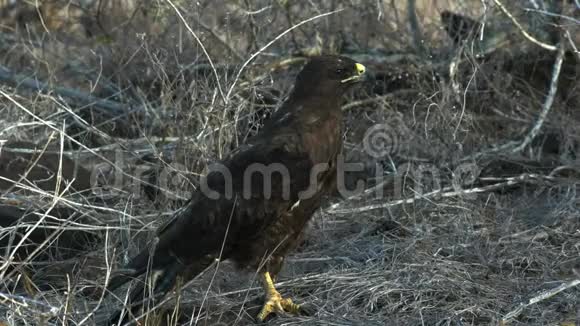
254,185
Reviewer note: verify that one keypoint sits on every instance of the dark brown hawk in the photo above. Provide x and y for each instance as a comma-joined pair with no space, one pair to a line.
254,205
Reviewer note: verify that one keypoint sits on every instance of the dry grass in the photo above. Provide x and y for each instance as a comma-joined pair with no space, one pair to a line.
131,96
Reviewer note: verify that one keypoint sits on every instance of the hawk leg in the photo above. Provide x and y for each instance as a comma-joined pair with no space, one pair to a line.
274,301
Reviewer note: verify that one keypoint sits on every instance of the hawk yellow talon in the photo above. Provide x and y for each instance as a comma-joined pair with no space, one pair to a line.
274,301
278,305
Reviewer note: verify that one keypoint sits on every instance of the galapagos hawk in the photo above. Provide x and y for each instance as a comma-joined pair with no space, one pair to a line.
253,206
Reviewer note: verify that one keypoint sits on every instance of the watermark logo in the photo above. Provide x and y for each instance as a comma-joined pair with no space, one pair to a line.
381,140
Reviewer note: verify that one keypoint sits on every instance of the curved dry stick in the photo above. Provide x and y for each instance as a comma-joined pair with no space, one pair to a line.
521,28
253,56
540,297
548,102
217,78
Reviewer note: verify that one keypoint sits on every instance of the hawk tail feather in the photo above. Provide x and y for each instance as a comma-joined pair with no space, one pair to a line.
161,280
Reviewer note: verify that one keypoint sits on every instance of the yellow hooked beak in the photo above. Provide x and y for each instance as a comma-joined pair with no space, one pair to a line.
360,70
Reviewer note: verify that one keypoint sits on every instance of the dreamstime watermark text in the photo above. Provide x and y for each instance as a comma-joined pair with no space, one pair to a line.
284,179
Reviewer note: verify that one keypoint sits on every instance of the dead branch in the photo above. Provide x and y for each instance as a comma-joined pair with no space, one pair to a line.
521,28
447,192
572,44
547,103
540,297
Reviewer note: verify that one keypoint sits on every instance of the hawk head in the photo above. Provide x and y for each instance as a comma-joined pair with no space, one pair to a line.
328,75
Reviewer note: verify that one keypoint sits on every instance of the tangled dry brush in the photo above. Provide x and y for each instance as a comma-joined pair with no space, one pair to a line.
465,134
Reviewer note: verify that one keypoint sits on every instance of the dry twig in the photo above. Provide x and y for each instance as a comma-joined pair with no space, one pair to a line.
521,28
279,36
540,297
547,103
448,192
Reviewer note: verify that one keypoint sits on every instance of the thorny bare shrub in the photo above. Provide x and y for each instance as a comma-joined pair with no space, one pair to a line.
124,89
